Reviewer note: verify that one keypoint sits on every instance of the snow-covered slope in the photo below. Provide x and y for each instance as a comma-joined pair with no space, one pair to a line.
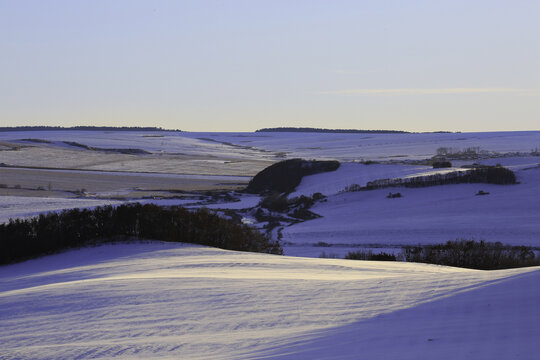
349,147
330,183
509,214
345,147
157,300
498,321
23,207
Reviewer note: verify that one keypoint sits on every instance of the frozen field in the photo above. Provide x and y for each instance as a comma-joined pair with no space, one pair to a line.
246,147
158,300
162,152
351,147
50,166
23,207
509,214
103,184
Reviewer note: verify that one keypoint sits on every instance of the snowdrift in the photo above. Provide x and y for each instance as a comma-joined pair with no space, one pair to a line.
162,300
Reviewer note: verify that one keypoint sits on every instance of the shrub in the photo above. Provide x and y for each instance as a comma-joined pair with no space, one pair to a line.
324,255
368,255
472,254
496,175
80,192
352,188
304,214
322,244
299,205
275,202
442,164
383,257
467,153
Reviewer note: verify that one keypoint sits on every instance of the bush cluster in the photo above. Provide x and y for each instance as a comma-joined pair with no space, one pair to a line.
275,202
48,233
441,164
352,188
472,152
297,207
369,255
472,254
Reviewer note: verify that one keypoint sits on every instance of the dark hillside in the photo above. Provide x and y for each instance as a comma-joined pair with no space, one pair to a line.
285,176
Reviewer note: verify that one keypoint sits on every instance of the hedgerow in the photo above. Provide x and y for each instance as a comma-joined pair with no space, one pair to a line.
486,175
473,254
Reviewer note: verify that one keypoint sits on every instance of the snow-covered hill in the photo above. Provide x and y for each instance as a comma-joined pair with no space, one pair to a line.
208,147
13,207
509,214
158,300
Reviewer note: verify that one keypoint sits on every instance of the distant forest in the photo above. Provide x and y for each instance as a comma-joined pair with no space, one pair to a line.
98,128
317,130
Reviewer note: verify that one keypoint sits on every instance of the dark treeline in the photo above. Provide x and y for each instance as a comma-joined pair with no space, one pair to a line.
474,255
52,232
318,130
488,175
286,175
369,255
98,128
441,164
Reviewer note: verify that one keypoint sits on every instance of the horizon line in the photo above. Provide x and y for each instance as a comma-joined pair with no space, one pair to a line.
428,91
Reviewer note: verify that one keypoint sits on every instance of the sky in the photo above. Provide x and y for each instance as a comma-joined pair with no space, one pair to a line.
233,65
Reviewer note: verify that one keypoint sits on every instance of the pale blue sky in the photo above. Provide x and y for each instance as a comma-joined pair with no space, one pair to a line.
242,65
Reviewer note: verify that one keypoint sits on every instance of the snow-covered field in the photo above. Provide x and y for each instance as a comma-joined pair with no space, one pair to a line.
199,161
24,207
159,300
166,152
212,150
509,214
351,147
